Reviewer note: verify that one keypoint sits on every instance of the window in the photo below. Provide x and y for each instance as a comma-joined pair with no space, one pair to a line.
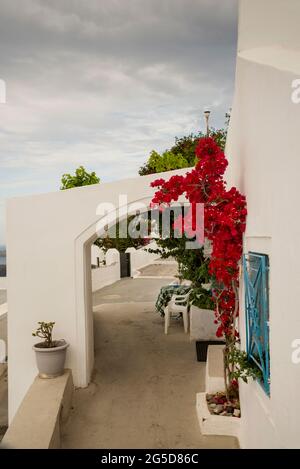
256,279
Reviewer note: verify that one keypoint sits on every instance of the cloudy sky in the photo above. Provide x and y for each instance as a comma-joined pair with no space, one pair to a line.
101,83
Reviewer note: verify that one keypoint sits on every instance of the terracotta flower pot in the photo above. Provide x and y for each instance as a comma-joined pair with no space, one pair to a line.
51,360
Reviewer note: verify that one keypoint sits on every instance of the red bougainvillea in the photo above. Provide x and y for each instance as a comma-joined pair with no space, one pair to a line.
224,224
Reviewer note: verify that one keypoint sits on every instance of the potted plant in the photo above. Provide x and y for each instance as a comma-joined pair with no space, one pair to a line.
50,354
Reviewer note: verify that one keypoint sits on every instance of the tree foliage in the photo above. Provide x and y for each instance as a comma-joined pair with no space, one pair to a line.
81,178
192,263
181,154
167,161
114,240
225,212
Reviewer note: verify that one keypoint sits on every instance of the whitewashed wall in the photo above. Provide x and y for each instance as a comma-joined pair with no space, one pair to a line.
49,239
109,273
263,148
141,257
3,283
112,256
97,254
105,275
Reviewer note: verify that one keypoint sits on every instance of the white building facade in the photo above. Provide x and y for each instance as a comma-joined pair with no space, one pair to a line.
49,274
263,149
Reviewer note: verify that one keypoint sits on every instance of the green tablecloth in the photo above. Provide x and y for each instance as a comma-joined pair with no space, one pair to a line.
166,294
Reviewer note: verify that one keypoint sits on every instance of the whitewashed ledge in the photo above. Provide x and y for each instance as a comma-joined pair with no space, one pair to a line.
214,382
215,424
37,422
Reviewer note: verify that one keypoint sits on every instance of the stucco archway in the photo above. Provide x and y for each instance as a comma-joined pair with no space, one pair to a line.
84,305
47,240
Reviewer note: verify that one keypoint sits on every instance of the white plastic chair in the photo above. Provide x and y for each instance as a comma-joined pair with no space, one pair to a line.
178,304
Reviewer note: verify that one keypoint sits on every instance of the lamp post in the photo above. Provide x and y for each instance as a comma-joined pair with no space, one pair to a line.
206,115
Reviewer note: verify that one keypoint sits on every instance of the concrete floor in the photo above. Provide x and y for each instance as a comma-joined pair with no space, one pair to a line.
130,290
167,269
144,386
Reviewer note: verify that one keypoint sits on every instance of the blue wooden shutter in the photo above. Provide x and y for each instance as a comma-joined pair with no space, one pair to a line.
256,269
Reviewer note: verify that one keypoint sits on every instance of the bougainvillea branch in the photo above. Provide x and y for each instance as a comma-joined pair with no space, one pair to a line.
224,224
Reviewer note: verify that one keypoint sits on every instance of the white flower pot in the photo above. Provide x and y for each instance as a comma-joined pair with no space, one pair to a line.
51,360
202,326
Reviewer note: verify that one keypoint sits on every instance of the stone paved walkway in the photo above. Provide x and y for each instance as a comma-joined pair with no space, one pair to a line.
167,269
145,383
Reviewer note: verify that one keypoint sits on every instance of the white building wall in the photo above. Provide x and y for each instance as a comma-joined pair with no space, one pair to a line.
105,275
263,149
112,256
49,241
141,257
97,254
3,283
108,273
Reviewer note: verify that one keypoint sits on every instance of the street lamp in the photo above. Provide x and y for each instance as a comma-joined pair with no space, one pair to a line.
206,115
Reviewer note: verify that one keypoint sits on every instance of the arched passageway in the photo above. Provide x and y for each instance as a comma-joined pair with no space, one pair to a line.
48,242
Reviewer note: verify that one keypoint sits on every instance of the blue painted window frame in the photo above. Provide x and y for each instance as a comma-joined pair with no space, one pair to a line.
256,281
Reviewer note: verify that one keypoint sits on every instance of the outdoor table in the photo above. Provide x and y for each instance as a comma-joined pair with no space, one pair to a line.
166,294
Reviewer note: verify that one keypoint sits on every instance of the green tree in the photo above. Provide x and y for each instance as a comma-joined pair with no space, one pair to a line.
81,178
165,162
192,263
113,239
182,153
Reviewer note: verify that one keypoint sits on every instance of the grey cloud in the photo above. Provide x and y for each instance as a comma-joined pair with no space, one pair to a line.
102,82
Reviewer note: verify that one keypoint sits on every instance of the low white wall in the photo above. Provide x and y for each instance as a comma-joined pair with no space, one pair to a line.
108,273
36,425
105,275
112,256
50,271
141,257
3,283
97,253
